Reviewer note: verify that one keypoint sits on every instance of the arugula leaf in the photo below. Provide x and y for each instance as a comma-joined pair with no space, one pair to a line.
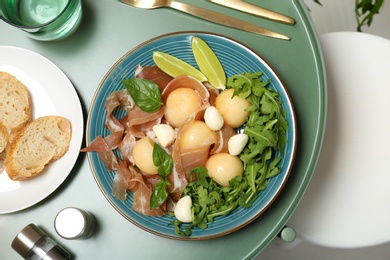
178,229
200,173
266,127
145,93
251,176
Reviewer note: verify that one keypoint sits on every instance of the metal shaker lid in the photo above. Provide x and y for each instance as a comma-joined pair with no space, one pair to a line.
26,239
74,223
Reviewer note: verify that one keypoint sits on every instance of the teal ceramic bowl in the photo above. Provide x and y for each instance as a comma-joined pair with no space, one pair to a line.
235,58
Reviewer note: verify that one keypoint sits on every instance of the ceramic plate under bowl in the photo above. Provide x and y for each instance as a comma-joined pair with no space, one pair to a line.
235,58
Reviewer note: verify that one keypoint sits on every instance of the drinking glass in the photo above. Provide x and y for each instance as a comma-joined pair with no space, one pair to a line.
43,20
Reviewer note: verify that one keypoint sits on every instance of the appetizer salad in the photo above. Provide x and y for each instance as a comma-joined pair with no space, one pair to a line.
192,143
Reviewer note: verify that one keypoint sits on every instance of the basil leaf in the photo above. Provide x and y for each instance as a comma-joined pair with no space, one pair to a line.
164,164
145,93
159,195
162,160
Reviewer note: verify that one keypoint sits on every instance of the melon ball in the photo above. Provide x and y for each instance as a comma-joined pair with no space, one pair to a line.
232,109
180,104
143,155
223,167
197,135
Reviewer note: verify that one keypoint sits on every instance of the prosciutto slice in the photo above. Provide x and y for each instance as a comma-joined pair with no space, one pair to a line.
125,132
183,160
121,180
177,178
154,74
194,157
185,81
120,98
213,92
141,200
126,147
127,178
104,151
137,116
221,146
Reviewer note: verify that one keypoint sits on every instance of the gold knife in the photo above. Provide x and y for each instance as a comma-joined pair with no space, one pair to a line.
208,15
243,6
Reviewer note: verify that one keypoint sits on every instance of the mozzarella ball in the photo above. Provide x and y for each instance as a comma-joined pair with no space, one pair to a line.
180,104
164,133
183,209
143,155
237,143
223,167
213,118
197,135
232,109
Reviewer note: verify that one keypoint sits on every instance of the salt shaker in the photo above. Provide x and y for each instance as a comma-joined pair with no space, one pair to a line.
32,243
74,223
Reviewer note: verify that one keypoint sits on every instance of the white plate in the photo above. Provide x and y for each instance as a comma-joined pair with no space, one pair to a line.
347,202
52,94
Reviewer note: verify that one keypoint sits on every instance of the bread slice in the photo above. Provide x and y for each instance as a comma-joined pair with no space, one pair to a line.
3,137
3,145
15,110
42,141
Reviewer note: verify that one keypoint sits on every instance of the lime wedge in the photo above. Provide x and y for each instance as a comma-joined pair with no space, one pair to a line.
175,67
208,63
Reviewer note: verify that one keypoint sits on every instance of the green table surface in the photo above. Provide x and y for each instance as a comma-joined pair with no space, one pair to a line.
108,30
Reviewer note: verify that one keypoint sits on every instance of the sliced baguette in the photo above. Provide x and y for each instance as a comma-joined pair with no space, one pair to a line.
3,137
42,141
3,145
15,110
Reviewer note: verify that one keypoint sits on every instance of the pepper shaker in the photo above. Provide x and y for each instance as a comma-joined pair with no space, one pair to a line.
32,243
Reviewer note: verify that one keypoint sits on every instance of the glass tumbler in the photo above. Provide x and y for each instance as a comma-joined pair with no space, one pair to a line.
44,20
